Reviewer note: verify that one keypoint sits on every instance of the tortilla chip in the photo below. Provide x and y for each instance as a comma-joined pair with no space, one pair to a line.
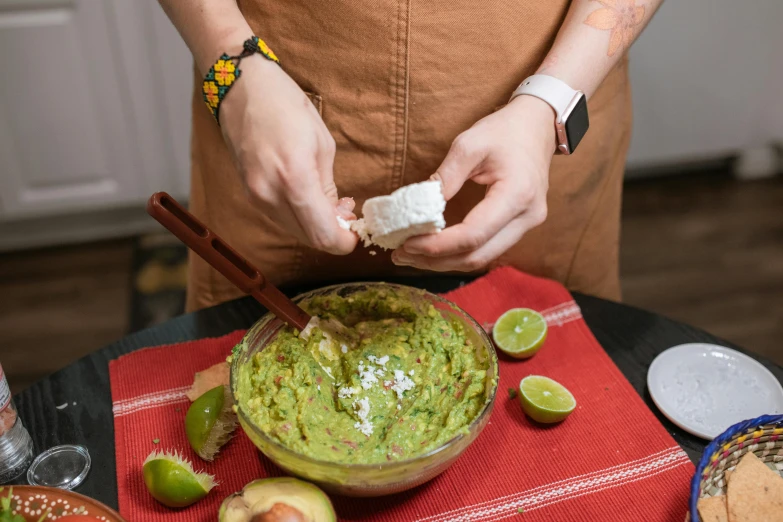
207,379
755,492
713,509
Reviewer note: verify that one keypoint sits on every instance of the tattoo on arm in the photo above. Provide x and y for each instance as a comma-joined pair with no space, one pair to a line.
621,17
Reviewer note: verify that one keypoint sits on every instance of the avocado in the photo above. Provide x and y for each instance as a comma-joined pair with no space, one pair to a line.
282,499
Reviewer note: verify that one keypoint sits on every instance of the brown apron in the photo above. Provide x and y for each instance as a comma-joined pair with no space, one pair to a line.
396,81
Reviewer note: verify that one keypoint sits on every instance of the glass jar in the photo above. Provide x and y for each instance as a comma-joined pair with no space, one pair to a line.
16,446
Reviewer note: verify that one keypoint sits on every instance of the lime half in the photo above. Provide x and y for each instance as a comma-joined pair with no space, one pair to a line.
545,400
172,481
520,332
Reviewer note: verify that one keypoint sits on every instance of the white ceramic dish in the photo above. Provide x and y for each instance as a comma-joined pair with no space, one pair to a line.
705,388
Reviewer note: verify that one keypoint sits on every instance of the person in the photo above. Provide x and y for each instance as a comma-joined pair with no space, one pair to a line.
370,96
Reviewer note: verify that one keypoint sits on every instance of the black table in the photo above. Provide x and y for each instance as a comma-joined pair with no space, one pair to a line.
630,336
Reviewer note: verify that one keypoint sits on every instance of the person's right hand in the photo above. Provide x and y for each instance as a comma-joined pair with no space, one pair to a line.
285,155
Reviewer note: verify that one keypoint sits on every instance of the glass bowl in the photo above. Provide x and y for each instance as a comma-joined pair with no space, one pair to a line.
367,480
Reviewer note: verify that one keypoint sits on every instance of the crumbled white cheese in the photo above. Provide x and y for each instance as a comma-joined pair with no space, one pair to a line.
370,358
363,411
360,227
399,406
402,383
367,376
305,334
388,383
324,346
408,211
346,392
381,361
344,348
62,406
410,373
319,387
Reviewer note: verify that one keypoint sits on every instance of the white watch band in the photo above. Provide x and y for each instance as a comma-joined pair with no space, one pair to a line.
555,92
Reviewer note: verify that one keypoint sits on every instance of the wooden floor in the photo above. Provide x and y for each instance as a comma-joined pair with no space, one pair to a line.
706,250
60,304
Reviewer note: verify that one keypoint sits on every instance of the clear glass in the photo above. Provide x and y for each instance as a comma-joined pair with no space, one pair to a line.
368,480
16,446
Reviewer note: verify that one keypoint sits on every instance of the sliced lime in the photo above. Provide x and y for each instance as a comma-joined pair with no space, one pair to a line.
520,332
210,422
545,400
172,481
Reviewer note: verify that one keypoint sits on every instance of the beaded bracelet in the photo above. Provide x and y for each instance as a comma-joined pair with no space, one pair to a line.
222,76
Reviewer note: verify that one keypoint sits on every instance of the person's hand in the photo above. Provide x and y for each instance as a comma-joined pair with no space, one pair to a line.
510,152
285,155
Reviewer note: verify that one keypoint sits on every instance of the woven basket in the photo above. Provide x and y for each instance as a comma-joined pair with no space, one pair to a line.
763,436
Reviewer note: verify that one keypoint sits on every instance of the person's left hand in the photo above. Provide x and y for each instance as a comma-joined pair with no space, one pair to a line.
510,152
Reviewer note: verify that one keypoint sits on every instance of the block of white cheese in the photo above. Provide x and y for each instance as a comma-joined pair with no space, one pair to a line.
409,211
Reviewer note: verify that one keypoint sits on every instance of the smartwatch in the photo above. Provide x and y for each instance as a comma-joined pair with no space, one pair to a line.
570,107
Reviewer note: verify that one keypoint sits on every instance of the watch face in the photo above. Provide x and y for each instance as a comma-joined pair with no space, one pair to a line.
577,123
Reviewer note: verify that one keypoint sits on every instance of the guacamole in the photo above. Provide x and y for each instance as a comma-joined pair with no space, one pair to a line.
407,382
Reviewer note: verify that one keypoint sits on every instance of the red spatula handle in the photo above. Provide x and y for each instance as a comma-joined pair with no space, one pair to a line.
210,247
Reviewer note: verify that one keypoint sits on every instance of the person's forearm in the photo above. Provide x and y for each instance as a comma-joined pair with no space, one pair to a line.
593,38
209,27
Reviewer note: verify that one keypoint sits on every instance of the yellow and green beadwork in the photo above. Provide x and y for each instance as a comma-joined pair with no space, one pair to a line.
225,73
264,49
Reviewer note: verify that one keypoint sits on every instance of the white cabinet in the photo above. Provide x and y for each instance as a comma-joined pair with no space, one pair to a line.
66,141
160,71
94,116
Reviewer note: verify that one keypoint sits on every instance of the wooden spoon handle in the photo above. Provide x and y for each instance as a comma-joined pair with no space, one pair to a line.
210,247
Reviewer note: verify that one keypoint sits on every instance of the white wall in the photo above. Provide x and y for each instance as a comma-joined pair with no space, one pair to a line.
707,79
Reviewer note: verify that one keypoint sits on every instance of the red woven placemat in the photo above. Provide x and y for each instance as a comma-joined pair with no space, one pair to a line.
610,460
